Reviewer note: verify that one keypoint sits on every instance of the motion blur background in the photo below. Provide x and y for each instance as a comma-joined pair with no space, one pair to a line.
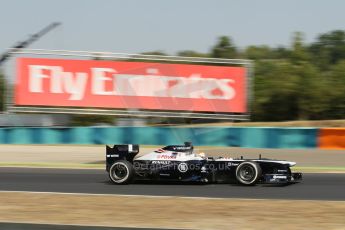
298,47
293,52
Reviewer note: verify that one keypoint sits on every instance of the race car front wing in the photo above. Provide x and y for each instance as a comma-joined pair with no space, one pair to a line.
282,178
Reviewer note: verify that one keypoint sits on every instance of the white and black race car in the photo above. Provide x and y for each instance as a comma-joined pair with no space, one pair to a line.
180,163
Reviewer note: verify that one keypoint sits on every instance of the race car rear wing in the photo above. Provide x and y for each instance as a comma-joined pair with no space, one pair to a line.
120,152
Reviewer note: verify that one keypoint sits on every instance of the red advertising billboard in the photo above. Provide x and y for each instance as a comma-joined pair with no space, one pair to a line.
130,85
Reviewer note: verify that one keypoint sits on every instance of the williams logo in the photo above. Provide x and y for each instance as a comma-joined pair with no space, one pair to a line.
160,162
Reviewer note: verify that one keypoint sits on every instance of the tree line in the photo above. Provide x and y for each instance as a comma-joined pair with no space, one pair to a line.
298,82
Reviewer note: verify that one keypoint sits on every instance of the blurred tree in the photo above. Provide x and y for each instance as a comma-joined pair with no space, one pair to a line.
284,91
281,53
299,52
328,49
266,53
312,97
224,48
258,52
275,91
336,91
191,53
161,53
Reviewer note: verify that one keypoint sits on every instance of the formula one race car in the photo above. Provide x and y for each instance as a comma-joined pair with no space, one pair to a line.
180,163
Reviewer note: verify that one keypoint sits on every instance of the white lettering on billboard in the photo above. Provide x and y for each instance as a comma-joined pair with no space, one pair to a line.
98,81
75,84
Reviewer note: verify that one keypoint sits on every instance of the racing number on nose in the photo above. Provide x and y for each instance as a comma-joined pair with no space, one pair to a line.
182,167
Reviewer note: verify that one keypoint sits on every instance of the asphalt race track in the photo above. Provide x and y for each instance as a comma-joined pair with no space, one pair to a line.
313,186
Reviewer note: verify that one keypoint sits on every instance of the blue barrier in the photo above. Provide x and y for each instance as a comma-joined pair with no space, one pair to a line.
249,137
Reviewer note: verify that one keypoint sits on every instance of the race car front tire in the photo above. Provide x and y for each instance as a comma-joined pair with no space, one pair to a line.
121,172
248,173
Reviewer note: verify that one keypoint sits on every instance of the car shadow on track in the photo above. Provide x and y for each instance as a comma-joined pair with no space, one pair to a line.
160,183
279,185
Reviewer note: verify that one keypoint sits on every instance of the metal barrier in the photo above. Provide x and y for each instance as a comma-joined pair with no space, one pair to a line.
331,138
206,136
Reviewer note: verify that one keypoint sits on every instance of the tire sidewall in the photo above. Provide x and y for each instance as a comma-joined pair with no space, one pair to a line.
129,168
257,173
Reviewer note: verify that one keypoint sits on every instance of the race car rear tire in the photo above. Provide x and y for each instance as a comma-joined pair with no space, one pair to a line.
248,173
121,172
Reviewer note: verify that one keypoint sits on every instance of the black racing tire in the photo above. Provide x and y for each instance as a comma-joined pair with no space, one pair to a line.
121,172
248,173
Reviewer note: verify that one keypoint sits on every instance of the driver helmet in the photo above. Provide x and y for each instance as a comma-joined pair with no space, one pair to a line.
202,154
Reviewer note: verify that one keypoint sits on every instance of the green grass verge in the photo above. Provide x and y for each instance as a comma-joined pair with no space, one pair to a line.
319,169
